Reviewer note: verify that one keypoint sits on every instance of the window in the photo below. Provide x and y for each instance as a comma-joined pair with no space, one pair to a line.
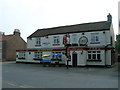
94,37
74,38
38,55
57,55
56,40
38,41
21,55
94,55
29,38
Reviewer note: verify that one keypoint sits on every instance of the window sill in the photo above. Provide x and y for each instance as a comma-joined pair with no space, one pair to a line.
21,58
37,59
56,44
97,60
74,44
56,59
95,43
83,44
37,45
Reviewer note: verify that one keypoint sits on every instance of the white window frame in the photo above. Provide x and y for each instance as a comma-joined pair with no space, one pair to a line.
21,55
38,41
56,40
74,38
38,55
92,53
55,56
94,37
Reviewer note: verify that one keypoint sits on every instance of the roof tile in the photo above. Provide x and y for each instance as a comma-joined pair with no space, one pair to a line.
86,27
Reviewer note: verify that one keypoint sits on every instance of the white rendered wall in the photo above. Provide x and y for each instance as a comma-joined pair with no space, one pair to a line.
108,57
104,39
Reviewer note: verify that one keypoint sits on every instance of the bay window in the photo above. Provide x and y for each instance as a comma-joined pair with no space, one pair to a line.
94,55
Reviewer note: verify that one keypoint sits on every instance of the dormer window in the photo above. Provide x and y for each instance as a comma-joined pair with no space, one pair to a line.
38,41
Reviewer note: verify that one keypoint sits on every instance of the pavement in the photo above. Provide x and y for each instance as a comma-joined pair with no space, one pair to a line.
21,75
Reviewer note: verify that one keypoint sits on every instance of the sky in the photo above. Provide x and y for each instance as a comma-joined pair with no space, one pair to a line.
30,15
119,17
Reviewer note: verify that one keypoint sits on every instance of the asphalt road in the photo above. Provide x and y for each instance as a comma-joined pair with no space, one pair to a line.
19,75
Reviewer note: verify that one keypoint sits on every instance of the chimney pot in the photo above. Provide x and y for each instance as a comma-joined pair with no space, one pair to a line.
109,17
17,32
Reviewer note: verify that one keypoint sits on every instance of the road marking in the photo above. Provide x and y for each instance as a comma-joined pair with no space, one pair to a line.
17,85
11,83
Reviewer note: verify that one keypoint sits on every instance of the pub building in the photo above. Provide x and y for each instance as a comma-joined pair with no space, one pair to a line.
84,44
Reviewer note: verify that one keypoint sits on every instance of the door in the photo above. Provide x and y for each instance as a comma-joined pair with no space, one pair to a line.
74,60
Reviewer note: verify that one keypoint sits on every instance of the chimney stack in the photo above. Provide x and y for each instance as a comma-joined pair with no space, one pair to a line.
17,32
109,17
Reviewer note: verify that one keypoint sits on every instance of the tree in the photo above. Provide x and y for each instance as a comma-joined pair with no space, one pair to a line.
117,43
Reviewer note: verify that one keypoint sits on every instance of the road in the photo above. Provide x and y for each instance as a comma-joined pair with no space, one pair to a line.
19,75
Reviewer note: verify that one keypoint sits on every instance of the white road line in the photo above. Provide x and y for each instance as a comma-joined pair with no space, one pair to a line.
17,85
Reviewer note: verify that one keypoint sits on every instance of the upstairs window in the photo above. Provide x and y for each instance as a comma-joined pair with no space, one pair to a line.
74,38
38,41
56,40
94,37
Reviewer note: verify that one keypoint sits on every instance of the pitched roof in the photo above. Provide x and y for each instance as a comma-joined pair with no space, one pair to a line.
5,37
85,27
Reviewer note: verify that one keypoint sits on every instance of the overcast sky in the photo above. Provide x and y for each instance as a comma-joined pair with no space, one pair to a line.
30,15
119,16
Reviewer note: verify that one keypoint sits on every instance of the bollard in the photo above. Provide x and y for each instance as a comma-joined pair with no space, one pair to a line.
67,64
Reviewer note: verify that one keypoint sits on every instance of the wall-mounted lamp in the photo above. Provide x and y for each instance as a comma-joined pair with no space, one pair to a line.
83,33
46,36
81,51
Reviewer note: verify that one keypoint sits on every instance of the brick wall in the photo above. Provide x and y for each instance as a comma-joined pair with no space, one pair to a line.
15,43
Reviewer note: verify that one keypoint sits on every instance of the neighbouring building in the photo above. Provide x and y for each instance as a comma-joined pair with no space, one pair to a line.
84,44
10,43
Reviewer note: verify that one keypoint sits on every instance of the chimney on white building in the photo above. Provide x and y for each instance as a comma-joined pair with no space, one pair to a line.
109,17
17,32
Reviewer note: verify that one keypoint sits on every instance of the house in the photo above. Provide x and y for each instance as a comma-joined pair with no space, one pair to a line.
9,44
84,44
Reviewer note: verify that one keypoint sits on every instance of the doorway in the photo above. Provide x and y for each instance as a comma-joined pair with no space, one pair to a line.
74,59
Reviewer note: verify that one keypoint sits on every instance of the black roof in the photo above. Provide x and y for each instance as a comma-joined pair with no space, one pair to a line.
85,27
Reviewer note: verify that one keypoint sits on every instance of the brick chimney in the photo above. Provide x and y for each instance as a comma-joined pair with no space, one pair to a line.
2,33
17,32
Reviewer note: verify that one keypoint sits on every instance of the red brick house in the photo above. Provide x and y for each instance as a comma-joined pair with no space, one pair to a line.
9,45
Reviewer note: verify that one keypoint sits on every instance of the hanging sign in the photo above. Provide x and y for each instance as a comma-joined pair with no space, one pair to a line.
66,39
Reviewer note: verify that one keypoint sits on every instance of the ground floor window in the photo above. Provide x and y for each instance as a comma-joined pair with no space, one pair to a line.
38,55
21,55
94,55
57,55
